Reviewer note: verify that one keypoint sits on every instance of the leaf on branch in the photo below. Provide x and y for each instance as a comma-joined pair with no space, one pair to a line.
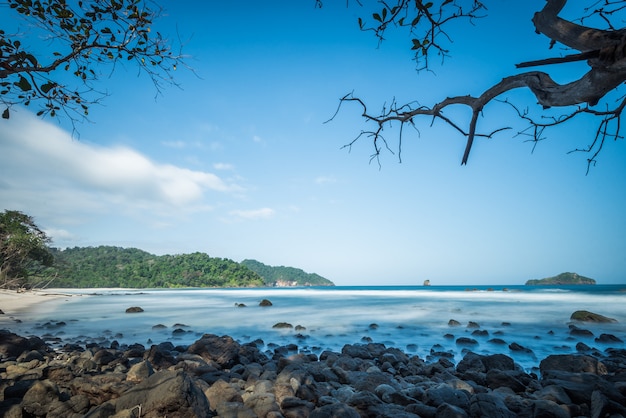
47,87
23,84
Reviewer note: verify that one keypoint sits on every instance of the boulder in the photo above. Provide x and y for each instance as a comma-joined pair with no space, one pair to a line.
140,371
165,393
39,398
222,350
265,302
574,363
608,339
586,316
221,392
488,405
280,325
12,345
335,410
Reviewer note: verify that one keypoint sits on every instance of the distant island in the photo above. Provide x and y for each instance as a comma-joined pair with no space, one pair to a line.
108,266
562,279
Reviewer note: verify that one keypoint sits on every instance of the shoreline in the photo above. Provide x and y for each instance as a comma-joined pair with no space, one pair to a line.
17,304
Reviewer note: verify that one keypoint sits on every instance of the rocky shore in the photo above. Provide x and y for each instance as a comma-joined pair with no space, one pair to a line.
218,377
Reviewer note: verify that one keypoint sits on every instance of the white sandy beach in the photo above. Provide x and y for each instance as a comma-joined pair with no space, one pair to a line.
14,304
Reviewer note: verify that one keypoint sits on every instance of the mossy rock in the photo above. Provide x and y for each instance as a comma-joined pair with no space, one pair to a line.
586,316
134,309
283,325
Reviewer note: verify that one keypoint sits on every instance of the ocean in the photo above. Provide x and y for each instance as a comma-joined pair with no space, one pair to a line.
414,319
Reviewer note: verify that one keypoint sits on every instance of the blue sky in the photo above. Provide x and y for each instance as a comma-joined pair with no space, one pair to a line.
238,162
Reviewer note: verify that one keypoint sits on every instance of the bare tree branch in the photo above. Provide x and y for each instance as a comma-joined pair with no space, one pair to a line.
603,50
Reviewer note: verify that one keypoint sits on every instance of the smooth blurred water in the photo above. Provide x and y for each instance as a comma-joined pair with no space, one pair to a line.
414,319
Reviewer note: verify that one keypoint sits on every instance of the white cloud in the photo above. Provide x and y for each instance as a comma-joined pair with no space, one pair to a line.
174,144
325,180
252,214
223,166
43,167
57,234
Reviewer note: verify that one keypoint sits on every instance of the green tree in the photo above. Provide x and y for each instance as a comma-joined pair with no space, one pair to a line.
77,37
23,248
427,25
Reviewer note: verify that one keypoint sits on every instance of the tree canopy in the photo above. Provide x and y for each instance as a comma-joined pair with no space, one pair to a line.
23,248
427,24
281,275
66,47
107,266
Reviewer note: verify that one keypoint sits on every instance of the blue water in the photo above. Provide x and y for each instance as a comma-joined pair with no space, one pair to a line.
414,319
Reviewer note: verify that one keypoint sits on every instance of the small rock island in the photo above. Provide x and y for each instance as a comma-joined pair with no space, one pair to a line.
562,279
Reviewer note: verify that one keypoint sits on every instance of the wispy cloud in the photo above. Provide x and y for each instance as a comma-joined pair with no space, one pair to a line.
223,166
174,144
41,165
253,214
325,180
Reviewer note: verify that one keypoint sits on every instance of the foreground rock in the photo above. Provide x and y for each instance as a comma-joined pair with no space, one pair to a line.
218,377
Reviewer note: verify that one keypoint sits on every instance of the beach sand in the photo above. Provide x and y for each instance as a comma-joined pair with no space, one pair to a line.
15,304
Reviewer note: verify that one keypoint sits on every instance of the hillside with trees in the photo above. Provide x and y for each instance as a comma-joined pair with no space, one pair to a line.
285,276
562,279
107,266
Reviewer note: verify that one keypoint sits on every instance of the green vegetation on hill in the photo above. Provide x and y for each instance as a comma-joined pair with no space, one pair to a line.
285,276
107,266
562,279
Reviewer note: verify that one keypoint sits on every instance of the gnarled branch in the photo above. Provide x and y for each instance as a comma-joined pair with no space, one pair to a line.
604,50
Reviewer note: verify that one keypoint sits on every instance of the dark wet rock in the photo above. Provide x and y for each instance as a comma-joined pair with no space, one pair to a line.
586,316
140,371
454,323
519,348
171,393
579,332
472,324
608,339
445,394
217,376
38,398
450,411
222,350
160,357
12,345
572,363
505,378
265,303
488,405
134,309
466,341
335,410
281,325
580,386
480,333
547,408
159,326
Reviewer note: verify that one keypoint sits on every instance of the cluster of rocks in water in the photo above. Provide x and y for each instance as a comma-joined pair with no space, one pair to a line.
217,376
